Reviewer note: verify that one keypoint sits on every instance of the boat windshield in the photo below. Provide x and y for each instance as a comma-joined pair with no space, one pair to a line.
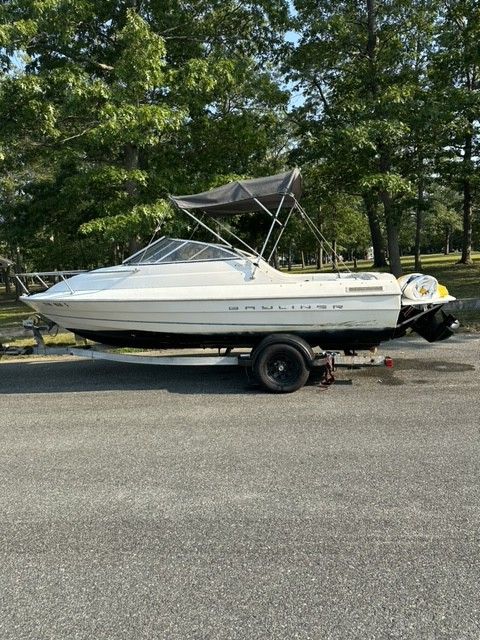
173,250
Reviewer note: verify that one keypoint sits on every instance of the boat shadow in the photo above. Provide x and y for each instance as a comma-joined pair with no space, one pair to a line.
74,376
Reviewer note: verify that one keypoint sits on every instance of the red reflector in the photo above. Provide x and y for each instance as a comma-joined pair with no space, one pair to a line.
388,362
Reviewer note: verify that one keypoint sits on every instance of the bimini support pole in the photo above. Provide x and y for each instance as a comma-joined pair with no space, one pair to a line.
285,224
318,234
202,224
235,236
275,219
217,235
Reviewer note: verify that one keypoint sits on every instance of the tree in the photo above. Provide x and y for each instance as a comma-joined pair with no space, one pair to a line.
120,103
456,77
443,218
357,64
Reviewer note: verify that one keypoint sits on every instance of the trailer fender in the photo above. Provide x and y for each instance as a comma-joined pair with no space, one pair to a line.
285,338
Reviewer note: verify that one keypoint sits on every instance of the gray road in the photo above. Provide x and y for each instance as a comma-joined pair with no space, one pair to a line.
137,502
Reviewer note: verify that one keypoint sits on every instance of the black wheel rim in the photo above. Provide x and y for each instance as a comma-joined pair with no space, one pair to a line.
283,369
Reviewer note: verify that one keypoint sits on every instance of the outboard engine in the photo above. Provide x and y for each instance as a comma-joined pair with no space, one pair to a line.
435,326
422,297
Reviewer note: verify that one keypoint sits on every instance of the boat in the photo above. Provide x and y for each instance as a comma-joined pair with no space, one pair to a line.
178,293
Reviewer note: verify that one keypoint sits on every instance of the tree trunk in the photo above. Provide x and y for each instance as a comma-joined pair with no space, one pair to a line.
289,258
467,204
334,255
392,235
384,156
6,275
319,256
419,225
370,200
393,246
303,259
391,222
378,242
131,163
18,269
446,245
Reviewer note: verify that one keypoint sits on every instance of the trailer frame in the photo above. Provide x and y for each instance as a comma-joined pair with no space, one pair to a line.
281,362
326,362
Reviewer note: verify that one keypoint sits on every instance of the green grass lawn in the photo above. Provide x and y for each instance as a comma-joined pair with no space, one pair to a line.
461,281
11,315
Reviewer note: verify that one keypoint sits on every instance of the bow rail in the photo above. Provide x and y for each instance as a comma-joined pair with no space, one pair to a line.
42,276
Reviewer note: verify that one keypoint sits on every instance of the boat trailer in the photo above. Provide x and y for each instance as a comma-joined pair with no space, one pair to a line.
324,364
280,363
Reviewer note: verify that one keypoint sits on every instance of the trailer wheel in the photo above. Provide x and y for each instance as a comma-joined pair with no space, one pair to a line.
281,368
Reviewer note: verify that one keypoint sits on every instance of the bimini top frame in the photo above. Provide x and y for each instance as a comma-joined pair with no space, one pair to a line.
271,194
246,196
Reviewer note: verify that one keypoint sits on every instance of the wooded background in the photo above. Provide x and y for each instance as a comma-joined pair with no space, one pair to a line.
107,106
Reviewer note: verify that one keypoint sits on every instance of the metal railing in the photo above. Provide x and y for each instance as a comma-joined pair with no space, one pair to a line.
42,276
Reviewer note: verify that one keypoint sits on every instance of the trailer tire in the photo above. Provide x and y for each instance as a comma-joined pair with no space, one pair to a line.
281,368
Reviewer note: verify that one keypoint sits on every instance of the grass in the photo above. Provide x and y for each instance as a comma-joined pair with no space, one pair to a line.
11,315
469,321
64,339
462,281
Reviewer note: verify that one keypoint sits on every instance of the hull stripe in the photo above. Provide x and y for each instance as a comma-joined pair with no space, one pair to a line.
210,324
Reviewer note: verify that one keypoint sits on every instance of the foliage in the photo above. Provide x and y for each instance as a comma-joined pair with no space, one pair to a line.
455,75
389,100
109,106
118,104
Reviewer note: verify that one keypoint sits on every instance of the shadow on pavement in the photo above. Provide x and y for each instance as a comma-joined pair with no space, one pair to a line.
78,376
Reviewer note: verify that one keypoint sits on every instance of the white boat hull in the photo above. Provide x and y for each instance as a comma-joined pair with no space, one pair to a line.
198,321
224,316
171,306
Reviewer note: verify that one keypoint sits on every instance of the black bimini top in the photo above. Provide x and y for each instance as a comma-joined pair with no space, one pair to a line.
246,196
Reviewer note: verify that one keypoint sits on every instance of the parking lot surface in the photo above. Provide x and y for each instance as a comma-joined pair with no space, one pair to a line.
142,502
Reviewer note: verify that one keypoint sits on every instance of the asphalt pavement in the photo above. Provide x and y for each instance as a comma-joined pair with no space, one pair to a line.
142,502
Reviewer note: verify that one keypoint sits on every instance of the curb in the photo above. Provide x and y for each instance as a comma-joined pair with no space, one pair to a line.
463,305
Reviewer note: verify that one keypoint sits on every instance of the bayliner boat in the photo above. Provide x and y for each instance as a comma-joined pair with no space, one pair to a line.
185,293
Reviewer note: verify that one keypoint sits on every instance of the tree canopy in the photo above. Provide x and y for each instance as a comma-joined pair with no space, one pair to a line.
108,106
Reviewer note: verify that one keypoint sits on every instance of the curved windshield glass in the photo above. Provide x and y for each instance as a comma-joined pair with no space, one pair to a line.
172,250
